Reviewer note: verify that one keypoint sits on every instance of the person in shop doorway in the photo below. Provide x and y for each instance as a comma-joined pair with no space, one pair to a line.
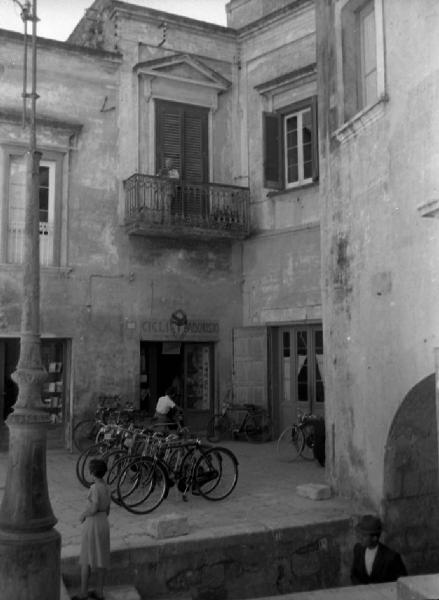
167,412
373,562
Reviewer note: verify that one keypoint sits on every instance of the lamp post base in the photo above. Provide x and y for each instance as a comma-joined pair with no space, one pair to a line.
29,565
30,547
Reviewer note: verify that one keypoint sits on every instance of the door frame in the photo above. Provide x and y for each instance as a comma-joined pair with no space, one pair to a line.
286,408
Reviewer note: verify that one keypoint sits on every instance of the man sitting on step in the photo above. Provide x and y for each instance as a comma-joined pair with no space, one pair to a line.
374,562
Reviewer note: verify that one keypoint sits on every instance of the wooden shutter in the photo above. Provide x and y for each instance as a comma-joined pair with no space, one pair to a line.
250,350
315,139
168,134
195,155
272,138
182,133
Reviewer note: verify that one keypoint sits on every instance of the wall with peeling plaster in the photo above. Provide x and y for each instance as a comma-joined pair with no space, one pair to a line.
107,284
380,268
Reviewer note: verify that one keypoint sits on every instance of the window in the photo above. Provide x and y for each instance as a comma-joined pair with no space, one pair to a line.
367,64
13,247
290,146
362,54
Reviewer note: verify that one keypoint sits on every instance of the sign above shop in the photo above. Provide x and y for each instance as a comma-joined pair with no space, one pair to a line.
180,327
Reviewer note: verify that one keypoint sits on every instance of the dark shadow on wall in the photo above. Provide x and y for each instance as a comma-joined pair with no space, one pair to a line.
411,489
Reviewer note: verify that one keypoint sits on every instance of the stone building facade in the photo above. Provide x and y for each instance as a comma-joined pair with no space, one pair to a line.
210,278
379,144
286,261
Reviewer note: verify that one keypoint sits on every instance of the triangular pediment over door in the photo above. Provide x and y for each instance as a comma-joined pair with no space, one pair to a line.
185,69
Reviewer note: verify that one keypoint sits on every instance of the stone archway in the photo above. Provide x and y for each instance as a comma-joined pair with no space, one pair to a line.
411,486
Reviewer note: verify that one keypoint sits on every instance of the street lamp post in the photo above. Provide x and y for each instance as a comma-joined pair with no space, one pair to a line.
29,544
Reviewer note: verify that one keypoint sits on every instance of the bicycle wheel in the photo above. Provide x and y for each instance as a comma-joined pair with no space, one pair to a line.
219,428
142,486
84,434
82,471
290,443
114,472
216,474
309,440
258,427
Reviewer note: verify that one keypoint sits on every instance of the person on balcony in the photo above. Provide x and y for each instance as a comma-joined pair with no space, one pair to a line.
169,172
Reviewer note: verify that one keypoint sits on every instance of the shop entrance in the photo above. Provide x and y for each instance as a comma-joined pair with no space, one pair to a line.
188,366
54,393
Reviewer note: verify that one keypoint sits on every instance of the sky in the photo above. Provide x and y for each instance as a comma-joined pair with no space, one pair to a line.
58,18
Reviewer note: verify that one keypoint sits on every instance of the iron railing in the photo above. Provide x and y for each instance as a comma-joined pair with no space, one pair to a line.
158,202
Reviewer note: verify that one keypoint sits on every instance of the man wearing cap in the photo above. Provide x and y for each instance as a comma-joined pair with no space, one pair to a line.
374,562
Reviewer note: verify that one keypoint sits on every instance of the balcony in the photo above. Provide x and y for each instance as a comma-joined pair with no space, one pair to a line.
156,206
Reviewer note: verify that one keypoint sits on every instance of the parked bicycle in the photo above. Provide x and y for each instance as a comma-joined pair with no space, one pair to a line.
144,464
238,420
211,472
306,438
109,410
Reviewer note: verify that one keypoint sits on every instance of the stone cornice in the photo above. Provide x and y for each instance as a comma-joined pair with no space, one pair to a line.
288,79
14,117
140,13
272,18
46,43
361,120
429,209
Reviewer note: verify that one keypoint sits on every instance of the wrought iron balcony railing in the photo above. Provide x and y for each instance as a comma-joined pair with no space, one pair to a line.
159,206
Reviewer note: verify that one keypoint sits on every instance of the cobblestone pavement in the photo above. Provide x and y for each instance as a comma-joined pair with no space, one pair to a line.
264,498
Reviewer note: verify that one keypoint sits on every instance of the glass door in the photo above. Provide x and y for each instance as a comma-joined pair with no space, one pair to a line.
301,385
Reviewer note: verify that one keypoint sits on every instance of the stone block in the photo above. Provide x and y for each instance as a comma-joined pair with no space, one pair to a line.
166,526
314,491
419,587
122,592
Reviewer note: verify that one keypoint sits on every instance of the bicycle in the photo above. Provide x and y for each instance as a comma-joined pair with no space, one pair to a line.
302,439
145,481
109,411
255,423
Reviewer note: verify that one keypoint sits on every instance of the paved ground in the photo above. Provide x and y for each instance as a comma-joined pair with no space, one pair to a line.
265,496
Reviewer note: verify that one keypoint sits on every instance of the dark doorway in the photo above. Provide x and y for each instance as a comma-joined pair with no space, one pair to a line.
9,354
185,365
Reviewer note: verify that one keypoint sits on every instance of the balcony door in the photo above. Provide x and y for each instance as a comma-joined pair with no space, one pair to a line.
182,134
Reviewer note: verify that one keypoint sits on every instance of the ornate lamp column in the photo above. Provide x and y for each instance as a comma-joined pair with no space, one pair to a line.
29,544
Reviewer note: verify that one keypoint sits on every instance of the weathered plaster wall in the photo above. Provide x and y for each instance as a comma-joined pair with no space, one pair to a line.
282,265
379,255
108,284
282,277
139,40
411,483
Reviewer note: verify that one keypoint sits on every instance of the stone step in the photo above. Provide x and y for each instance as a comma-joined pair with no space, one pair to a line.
419,587
117,592
122,592
382,591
